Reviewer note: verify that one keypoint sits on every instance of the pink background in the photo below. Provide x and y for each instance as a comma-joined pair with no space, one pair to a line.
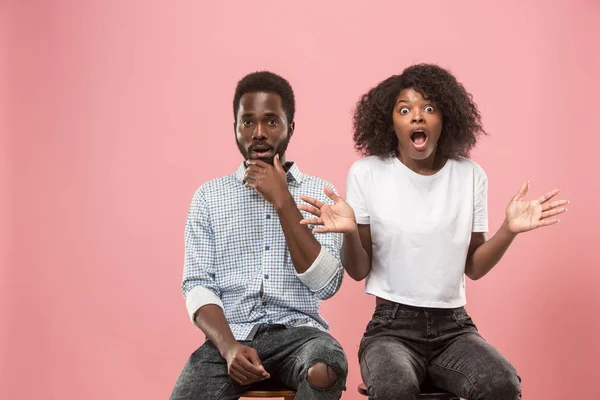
113,112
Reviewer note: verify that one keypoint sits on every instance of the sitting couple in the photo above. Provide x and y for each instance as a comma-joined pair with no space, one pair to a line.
266,244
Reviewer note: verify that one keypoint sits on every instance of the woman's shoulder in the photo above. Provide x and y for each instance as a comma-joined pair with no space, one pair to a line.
370,162
468,165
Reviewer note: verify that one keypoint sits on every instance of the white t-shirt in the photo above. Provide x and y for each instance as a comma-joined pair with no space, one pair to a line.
420,227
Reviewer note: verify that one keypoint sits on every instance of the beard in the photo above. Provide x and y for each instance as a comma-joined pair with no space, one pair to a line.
280,149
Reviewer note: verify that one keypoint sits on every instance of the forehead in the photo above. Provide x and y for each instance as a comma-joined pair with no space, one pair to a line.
260,103
411,95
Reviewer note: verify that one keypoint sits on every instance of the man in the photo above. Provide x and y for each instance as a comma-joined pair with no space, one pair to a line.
254,276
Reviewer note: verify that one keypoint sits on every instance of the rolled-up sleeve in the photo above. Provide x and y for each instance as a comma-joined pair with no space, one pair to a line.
198,286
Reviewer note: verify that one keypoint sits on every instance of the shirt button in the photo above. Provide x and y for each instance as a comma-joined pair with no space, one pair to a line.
268,216
267,247
266,276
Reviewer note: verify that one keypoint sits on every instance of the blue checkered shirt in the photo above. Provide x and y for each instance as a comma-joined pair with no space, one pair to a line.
236,257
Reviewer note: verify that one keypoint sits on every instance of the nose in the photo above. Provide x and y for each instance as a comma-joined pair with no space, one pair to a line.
417,117
260,132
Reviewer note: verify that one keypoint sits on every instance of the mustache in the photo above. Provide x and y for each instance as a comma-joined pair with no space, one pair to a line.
261,146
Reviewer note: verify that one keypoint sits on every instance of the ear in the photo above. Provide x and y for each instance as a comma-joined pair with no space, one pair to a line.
291,128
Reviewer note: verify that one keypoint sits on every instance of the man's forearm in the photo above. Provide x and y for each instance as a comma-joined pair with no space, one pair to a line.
211,320
303,246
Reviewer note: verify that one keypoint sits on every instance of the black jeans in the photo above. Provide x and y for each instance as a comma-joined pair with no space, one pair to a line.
286,353
404,345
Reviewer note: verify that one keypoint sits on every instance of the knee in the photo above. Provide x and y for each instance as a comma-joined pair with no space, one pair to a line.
385,383
322,376
394,390
504,387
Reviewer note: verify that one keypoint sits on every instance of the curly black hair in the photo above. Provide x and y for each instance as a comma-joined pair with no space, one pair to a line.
461,125
268,82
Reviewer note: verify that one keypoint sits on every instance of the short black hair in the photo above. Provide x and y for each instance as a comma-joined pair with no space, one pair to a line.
268,82
461,125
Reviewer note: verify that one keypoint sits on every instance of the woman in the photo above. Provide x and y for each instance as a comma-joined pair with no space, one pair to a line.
414,225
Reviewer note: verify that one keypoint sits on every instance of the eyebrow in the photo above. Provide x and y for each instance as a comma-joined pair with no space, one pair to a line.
271,114
428,101
267,114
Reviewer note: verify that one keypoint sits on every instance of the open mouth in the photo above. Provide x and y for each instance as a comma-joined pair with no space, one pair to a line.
261,151
418,137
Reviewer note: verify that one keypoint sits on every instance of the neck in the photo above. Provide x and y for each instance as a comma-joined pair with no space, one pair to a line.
426,166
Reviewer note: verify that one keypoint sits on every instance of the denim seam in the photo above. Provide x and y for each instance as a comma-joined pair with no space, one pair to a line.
461,373
223,390
463,325
369,391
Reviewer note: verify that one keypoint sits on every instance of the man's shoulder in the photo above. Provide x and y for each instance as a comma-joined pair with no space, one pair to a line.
312,186
314,180
216,187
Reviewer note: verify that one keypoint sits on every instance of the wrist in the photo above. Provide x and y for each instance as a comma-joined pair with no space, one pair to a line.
506,230
352,232
284,201
225,346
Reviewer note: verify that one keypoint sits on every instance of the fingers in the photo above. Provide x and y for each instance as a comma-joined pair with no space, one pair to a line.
255,360
313,210
242,379
251,183
251,366
311,221
245,367
554,204
255,168
244,371
252,175
523,191
238,377
548,222
553,212
548,196
253,172
258,163
312,201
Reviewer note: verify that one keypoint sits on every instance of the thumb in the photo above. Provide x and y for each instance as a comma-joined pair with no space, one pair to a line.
522,191
252,355
255,360
277,163
331,194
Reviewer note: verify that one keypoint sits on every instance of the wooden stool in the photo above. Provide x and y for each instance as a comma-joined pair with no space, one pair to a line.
285,393
427,392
